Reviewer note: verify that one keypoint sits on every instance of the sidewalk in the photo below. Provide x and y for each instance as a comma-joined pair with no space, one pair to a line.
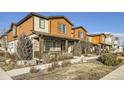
117,74
4,75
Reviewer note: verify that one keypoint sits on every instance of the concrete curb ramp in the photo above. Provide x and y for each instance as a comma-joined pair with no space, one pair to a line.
117,74
4,75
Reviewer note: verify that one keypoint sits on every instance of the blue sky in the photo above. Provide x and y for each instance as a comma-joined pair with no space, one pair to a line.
93,22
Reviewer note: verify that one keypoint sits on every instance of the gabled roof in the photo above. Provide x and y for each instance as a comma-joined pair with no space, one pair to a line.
79,27
97,34
38,15
41,16
30,15
57,17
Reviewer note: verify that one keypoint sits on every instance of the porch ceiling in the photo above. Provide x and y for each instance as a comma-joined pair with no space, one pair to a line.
105,44
47,34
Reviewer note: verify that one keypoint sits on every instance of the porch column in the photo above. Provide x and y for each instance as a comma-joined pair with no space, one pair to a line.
98,52
41,46
66,45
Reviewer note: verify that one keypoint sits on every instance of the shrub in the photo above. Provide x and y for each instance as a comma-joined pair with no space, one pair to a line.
109,59
13,56
53,66
9,66
34,70
64,56
77,49
8,55
122,53
48,58
65,63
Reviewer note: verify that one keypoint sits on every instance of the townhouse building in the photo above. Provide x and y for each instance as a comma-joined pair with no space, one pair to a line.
99,42
48,34
56,34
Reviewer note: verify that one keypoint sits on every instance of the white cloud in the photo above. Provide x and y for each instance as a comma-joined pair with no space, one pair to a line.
115,34
118,34
101,32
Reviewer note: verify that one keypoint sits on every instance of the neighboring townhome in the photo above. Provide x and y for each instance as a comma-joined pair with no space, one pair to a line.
98,42
49,34
81,34
109,41
116,43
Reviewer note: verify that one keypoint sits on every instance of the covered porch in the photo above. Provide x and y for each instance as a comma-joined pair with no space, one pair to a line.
105,47
45,43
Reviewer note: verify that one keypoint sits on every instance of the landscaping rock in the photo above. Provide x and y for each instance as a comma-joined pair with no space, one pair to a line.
21,62
10,61
84,59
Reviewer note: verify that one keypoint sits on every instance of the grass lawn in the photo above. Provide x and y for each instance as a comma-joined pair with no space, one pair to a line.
82,71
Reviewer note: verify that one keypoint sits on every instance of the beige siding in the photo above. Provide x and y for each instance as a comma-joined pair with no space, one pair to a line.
36,25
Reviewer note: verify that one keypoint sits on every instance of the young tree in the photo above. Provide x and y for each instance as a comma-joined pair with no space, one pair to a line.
24,48
77,49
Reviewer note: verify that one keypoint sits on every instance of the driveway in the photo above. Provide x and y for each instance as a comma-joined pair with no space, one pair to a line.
4,75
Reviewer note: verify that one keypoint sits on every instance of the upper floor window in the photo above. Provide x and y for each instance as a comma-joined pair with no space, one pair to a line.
62,28
80,34
42,23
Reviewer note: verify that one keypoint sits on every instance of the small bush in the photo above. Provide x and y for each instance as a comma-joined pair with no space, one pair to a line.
8,55
48,58
53,66
109,59
34,70
13,56
8,66
64,56
65,63
123,54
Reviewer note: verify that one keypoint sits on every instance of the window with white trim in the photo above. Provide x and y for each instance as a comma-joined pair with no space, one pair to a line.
62,28
42,23
80,34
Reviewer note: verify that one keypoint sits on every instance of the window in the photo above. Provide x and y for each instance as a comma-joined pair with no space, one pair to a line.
48,45
42,23
51,44
54,44
62,28
80,34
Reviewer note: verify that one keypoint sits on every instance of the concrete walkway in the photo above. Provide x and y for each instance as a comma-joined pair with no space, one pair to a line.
4,75
25,70
117,74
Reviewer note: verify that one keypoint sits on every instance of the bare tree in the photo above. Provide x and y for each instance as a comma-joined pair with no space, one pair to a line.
77,49
24,47
4,45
